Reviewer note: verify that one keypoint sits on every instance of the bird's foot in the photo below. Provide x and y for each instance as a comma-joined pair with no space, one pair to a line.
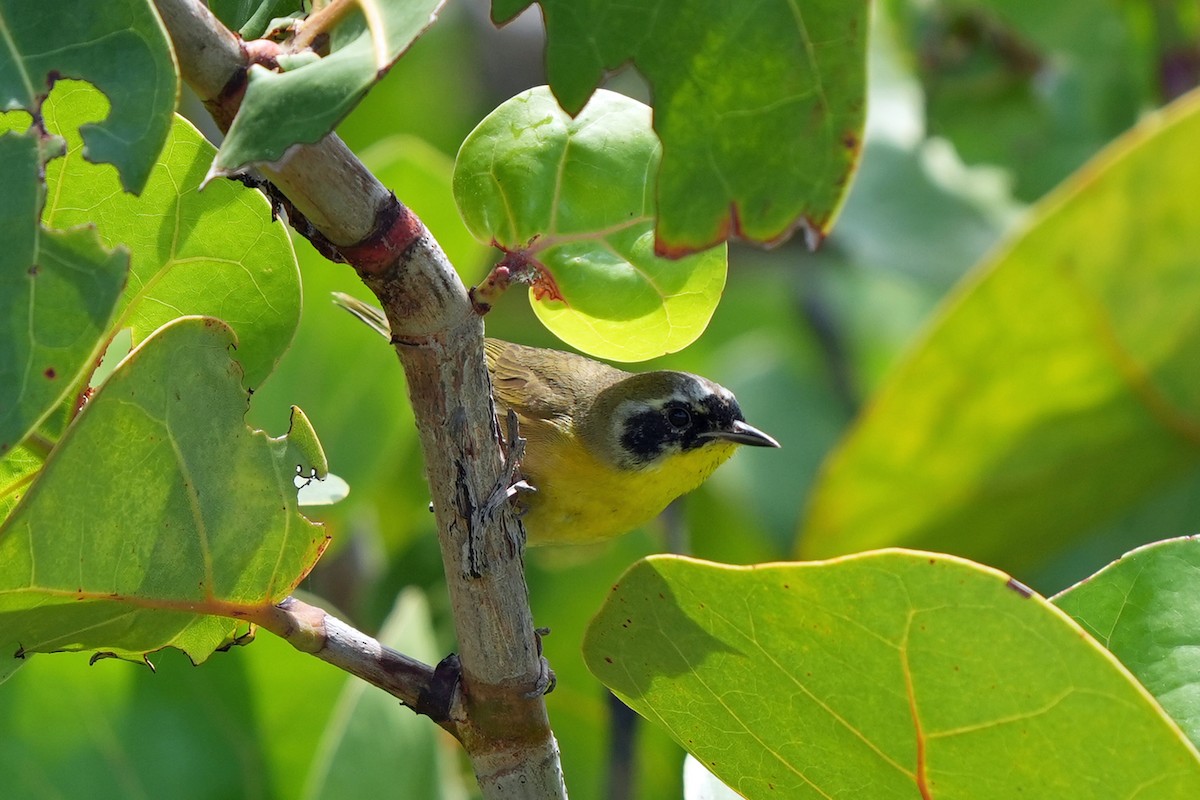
546,680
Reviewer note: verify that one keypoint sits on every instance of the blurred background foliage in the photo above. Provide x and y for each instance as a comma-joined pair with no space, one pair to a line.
977,109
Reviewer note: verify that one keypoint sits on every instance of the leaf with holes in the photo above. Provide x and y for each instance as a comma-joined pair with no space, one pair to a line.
913,674
159,516
215,252
1056,389
309,95
58,296
760,106
44,42
572,200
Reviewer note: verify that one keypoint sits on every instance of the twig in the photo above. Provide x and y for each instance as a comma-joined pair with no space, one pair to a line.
311,630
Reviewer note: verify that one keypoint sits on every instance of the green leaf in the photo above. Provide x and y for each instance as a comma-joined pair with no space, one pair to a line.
58,294
43,42
759,106
372,745
1068,358
571,198
157,509
915,674
1145,608
304,103
215,252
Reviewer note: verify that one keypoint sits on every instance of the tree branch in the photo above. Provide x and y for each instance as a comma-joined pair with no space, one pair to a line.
312,630
500,716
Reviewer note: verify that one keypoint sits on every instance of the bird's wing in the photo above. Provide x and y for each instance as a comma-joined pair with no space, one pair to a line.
544,384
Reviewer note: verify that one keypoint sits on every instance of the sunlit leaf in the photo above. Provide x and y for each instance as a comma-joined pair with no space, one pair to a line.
1056,389
215,252
573,198
914,674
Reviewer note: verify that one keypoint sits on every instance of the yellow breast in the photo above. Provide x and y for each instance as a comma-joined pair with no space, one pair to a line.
581,498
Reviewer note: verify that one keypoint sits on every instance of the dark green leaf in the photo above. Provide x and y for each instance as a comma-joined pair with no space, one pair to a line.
759,105
58,295
305,102
43,42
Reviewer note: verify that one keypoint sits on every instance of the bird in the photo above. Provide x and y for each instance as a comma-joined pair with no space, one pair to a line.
606,450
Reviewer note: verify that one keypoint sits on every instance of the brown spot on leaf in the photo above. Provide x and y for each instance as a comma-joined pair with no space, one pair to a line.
50,373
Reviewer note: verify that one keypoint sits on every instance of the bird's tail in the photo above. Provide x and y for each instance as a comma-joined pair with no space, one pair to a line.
366,312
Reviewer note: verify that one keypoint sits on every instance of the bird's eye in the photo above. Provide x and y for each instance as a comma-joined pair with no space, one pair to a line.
679,417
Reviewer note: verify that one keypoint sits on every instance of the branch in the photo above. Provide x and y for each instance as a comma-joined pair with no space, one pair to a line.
500,716
311,630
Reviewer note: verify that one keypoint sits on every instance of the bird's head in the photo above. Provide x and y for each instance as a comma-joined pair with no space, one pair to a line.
642,420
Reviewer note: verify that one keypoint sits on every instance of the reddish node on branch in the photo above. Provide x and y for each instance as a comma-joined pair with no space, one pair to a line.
397,230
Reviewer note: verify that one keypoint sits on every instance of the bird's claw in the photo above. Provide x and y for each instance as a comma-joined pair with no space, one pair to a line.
546,680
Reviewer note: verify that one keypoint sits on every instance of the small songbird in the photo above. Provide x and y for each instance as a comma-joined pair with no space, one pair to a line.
606,449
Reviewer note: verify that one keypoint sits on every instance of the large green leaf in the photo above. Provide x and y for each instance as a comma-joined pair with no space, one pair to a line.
895,674
157,510
1056,389
759,105
303,103
571,198
1145,608
58,295
215,252
120,46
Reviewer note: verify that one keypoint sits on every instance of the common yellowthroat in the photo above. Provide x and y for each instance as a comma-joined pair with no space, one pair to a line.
606,449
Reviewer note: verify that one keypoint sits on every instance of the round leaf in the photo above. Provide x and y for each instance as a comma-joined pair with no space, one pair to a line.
573,199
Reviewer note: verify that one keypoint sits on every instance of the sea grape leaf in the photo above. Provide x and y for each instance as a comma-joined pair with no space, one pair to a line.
159,516
760,106
1145,608
58,295
915,674
571,198
215,252
303,102
1068,357
45,42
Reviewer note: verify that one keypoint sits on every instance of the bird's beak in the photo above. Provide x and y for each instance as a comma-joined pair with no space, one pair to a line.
742,433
